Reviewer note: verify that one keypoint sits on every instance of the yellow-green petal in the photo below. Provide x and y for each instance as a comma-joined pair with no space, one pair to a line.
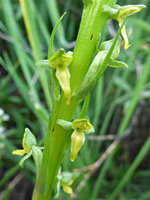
19,152
67,189
77,141
63,76
125,37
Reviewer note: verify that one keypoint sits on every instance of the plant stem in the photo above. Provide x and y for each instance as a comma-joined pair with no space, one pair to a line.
57,139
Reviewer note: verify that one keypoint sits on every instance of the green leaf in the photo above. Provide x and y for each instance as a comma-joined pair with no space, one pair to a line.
52,36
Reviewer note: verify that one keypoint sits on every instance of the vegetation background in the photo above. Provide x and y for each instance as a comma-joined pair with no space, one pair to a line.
120,104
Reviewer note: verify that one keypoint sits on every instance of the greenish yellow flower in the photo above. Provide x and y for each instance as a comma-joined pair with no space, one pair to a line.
29,148
60,62
124,11
80,126
67,180
27,143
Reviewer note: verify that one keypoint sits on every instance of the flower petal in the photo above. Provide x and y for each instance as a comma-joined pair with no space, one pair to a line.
19,152
63,76
125,37
77,140
67,189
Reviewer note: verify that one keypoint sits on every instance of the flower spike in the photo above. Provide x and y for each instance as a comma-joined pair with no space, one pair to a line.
60,61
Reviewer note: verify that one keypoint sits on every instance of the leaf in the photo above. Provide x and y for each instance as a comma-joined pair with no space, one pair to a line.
52,36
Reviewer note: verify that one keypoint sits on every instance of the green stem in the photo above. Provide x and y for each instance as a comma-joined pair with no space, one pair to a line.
57,139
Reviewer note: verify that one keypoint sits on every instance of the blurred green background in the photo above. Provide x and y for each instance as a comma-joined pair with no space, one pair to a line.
120,104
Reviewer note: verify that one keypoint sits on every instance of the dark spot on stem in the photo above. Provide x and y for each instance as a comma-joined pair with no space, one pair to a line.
53,129
91,37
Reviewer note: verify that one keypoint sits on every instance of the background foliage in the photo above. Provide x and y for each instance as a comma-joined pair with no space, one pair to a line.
118,105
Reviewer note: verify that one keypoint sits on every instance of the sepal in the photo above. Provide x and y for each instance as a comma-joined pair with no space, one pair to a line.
29,140
82,124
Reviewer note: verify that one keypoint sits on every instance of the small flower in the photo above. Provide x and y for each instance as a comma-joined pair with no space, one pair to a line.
60,61
80,126
67,180
119,13
29,148
124,11
27,143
